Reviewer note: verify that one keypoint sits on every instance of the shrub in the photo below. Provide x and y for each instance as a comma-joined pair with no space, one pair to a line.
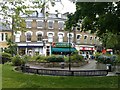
26,58
6,57
77,57
17,60
106,59
40,58
97,55
55,59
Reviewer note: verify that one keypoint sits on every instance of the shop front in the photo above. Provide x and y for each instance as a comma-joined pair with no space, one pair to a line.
62,48
30,49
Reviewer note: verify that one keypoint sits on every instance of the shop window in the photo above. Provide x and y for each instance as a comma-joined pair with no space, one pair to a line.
28,37
50,24
39,37
40,24
60,25
60,38
50,37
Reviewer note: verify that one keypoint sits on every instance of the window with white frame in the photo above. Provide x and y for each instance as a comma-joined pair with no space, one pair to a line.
70,38
95,40
60,25
78,37
91,38
28,23
39,37
40,24
6,36
50,37
28,36
17,36
85,39
60,37
50,24
1,49
2,36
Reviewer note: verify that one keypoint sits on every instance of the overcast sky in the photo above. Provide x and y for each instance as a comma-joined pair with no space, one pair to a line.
64,6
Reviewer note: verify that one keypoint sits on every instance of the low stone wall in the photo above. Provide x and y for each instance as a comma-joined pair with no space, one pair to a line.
57,64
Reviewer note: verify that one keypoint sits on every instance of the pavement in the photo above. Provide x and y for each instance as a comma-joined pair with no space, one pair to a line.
90,66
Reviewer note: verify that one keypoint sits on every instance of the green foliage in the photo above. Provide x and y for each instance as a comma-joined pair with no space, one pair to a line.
6,57
17,60
12,47
97,54
26,58
55,59
100,18
76,57
118,59
40,58
107,59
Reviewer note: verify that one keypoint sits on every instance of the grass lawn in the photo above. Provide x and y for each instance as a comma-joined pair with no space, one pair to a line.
12,79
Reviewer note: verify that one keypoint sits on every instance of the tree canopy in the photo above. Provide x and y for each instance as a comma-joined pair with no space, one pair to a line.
102,18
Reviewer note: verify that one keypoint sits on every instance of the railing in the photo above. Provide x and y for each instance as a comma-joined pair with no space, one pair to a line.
66,72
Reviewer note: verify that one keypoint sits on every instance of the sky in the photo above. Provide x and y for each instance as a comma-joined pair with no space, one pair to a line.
64,6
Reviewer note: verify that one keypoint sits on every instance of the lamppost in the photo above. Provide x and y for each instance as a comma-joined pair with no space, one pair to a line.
69,53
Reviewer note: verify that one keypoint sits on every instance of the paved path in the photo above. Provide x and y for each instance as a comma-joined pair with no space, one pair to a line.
90,66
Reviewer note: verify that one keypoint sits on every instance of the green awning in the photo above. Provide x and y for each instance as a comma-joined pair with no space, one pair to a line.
63,49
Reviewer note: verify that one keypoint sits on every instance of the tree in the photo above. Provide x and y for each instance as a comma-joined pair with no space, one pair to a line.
100,18
11,11
12,47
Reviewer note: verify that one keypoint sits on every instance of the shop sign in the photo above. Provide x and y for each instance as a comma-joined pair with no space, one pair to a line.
86,48
61,45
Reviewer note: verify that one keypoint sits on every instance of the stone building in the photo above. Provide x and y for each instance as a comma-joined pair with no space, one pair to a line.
43,32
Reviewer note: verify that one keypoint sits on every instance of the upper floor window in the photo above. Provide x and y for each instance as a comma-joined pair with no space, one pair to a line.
2,37
28,23
50,37
60,25
40,24
70,37
91,38
6,36
28,37
60,38
39,37
85,37
17,36
78,37
50,24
